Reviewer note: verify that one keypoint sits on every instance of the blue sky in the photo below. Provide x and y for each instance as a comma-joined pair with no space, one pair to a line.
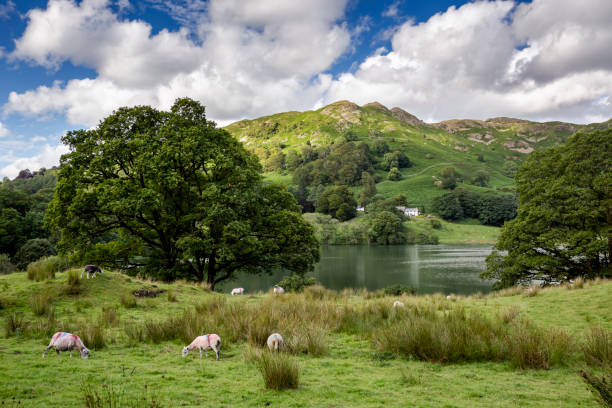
66,64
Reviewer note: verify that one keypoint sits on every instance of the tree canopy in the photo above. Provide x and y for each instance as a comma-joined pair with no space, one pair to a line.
184,197
564,224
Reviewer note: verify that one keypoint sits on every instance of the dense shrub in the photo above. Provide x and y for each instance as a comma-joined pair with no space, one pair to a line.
33,250
296,283
6,266
93,336
46,268
399,289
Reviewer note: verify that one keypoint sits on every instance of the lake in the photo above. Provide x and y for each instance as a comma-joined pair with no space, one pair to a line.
429,268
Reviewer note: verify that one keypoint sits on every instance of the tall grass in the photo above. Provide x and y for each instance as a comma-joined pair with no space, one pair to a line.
280,371
109,316
14,323
128,300
46,268
115,396
528,346
598,347
601,387
93,336
40,303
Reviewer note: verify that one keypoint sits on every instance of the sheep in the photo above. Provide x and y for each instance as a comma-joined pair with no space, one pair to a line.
204,343
91,269
237,291
278,289
397,303
275,342
63,341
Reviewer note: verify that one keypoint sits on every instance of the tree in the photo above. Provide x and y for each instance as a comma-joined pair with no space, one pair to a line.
369,188
481,178
564,224
394,174
32,251
338,202
386,228
447,206
184,196
449,178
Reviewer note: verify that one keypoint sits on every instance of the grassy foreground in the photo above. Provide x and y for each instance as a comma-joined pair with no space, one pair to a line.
350,360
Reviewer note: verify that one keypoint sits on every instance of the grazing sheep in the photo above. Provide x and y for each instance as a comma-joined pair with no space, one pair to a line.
397,303
91,269
278,289
204,343
237,291
63,341
275,342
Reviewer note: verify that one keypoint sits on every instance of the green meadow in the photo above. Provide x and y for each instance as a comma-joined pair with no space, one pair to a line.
352,348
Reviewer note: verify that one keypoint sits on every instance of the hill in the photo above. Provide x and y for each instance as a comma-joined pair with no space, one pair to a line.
338,339
495,146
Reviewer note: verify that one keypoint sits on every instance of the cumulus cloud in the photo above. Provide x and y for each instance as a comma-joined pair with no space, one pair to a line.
544,60
251,57
541,60
48,157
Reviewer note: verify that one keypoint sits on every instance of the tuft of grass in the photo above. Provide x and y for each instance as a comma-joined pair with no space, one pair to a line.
113,396
43,269
135,333
280,371
410,379
600,386
93,336
171,296
40,303
73,277
598,347
109,316
578,283
128,300
532,291
14,323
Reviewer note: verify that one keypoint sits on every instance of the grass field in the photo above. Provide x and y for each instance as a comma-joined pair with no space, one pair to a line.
354,372
462,232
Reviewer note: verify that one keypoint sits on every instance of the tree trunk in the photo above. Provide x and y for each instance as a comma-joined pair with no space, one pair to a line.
212,271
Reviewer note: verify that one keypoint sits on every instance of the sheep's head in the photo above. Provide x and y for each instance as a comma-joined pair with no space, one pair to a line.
185,351
85,352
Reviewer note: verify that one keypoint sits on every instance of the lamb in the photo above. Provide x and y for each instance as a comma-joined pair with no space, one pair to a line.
91,269
63,341
237,291
397,303
275,342
278,290
204,343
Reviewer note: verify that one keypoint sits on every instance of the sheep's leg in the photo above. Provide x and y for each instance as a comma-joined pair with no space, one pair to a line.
70,353
200,353
57,351
216,350
82,273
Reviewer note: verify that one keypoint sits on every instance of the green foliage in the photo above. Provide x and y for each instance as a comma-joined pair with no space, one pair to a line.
386,228
490,209
40,303
510,168
399,290
74,279
108,395
481,178
6,266
427,239
128,300
447,206
395,159
33,250
435,224
93,336
185,197
296,283
563,229
338,202
369,188
449,178
394,174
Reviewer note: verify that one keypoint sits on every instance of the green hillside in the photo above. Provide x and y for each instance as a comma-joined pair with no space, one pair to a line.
494,146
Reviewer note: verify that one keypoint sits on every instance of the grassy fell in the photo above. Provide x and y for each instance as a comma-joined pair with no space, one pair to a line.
503,340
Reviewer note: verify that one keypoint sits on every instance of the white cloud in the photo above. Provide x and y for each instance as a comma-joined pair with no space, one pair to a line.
4,131
253,57
48,157
543,60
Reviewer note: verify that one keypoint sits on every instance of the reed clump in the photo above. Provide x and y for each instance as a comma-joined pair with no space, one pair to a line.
40,303
280,371
597,348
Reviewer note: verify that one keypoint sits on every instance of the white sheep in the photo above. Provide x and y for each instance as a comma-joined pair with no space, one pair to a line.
91,269
275,342
397,303
204,343
237,291
63,341
278,290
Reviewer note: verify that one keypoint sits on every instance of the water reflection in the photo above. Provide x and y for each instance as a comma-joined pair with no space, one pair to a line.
429,268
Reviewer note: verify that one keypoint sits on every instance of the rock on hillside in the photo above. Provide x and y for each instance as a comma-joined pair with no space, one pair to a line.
345,111
406,117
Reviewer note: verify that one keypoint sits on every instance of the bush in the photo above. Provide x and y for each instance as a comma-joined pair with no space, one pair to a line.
279,370
296,283
601,387
40,303
399,289
598,347
46,268
33,250
427,239
435,224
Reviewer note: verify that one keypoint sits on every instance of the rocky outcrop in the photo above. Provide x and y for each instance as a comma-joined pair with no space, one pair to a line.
406,117
344,111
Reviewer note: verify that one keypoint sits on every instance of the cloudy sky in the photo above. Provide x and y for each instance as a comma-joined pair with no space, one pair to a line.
66,64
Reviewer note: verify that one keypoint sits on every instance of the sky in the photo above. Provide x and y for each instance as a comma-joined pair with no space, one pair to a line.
67,64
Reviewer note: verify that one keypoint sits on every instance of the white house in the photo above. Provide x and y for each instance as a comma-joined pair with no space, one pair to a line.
411,212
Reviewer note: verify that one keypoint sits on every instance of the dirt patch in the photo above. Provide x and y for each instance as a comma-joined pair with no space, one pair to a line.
142,292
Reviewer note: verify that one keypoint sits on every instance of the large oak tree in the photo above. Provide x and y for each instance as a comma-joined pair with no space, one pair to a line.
186,199
564,224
